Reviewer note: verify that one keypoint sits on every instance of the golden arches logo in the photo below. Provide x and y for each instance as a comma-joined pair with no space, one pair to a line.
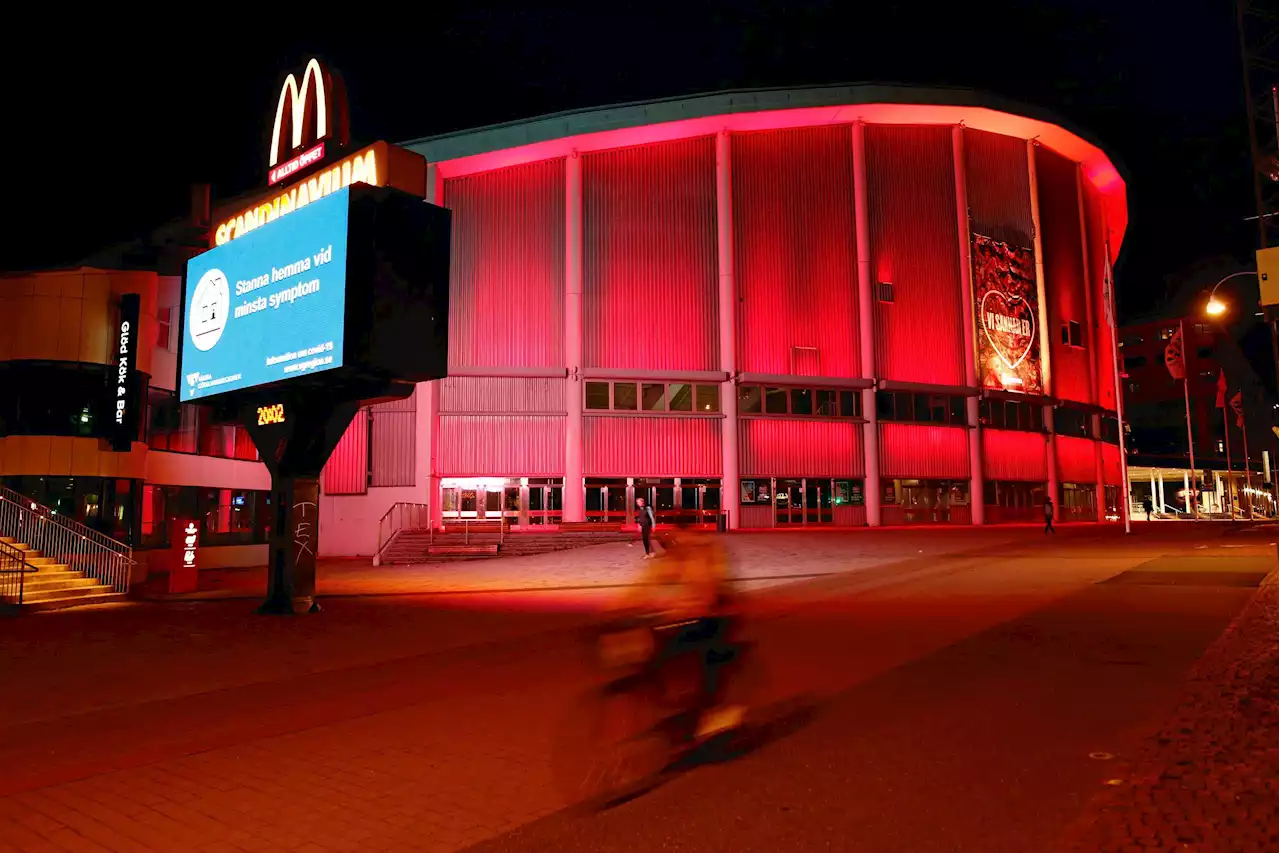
313,78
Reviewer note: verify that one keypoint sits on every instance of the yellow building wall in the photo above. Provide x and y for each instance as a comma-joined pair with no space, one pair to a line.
71,315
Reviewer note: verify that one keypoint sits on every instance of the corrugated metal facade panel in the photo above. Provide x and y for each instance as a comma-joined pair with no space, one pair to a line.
404,404
245,448
502,446
1064,274
795,252
1014,455
506,283
915,450
1075,459
649,268
651,447
911,206
849,516
776,447
347,471
391,446
1097,265
475,394
756,517
1111,471
998,187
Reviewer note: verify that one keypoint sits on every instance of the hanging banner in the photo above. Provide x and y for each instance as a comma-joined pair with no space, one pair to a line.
1006,311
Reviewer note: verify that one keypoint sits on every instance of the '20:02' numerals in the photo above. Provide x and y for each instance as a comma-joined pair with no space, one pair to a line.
268,415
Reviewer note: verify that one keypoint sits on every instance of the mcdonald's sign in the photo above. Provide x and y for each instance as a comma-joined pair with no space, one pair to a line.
308,138
307,115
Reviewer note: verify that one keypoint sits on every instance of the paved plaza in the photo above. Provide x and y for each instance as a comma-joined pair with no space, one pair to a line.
972,690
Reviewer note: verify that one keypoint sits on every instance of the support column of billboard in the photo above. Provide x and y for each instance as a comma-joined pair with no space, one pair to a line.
976,491
574,489
430,396
728,316
295,442
866,328
1091,345
1042,318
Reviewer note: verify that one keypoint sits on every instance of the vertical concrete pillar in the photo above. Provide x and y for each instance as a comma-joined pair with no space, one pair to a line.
1100,482
1160,489
574,491
1155,505
866,329
728,317
1091,341
1186,491
1055,493
428,405
976,503
1046,366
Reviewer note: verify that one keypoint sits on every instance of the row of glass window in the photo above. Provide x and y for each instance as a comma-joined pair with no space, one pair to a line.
920,408
1008,414
799,402
652,397
226,516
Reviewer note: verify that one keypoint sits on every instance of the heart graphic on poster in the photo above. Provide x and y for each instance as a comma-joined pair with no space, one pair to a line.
1010,326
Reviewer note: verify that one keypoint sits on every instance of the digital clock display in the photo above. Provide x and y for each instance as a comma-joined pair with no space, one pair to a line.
268,415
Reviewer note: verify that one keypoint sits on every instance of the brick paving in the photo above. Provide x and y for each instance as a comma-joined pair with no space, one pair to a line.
1206,780
405,723
760,560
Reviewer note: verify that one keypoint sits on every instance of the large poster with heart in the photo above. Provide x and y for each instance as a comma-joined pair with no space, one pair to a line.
1007,305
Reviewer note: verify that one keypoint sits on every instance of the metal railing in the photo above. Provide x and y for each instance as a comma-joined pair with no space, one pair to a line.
13,571
402,516
476,526
65,540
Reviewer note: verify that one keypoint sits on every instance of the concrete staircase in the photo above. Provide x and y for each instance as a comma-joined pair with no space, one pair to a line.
49,585
412,546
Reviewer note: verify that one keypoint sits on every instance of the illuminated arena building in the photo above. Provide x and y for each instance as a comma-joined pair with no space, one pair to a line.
838,306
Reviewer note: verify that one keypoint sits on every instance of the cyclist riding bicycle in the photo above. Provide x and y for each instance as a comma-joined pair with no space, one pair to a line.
686,590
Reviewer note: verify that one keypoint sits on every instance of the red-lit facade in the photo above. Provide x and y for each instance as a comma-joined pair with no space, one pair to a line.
761,304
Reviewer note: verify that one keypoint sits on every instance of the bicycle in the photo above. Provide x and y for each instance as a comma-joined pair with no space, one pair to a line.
665,698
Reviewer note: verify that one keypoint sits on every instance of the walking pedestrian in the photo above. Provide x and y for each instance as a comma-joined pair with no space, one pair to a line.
1146,507
1048,516
644,516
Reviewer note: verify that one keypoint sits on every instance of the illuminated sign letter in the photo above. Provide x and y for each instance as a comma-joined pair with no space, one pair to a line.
297,98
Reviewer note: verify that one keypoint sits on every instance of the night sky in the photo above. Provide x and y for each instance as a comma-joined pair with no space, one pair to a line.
107,127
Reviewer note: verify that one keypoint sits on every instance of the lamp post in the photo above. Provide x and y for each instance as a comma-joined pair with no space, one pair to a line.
1215,307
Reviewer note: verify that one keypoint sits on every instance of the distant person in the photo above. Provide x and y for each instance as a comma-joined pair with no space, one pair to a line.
1146,507
1048,516
646,521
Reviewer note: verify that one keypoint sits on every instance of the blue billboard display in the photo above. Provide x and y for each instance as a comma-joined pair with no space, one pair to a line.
269,305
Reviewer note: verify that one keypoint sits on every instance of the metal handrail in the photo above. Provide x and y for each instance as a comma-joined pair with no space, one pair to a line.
403,515
65,540
468,523
13,561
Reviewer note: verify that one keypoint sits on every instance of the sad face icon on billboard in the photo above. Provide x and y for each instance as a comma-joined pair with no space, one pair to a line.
209,310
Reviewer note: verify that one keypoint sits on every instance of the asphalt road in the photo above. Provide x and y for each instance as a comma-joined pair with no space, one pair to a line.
994,743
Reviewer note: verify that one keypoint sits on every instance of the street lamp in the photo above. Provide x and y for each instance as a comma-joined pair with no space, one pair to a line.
1215,307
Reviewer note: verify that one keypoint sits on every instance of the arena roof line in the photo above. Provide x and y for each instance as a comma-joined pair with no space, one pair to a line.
581,131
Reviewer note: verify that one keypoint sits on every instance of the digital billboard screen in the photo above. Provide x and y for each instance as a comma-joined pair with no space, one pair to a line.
269,305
